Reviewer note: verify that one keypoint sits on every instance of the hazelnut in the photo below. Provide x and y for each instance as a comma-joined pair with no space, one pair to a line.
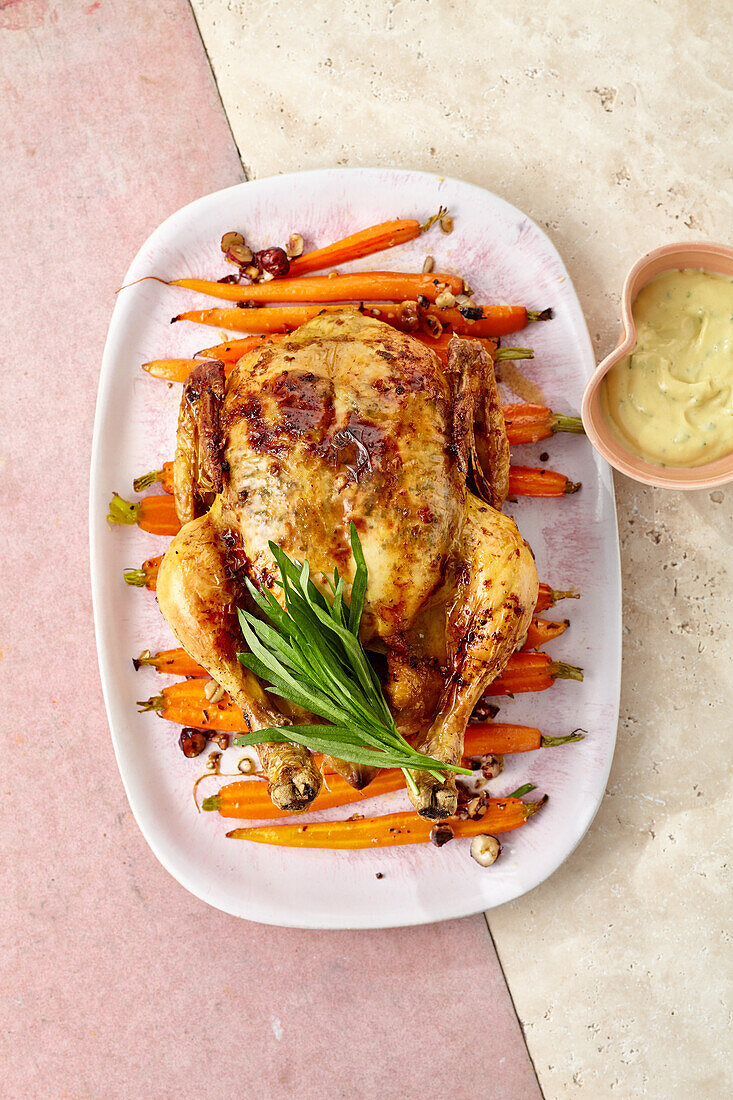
445,300
492,765
214,692
230,239
441,833
239,254
246,766
485,849
274,261
295,246
428,265
220,739
192,741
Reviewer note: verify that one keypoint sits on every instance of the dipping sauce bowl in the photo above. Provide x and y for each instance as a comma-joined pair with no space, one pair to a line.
714,258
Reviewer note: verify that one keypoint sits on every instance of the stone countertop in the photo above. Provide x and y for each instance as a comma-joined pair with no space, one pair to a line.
610,126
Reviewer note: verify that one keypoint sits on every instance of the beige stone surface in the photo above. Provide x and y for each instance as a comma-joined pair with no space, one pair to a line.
610,126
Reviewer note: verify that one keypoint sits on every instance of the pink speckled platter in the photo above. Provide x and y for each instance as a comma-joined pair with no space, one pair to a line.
507,258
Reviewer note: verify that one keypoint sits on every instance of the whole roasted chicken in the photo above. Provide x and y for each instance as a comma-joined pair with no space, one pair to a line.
349,420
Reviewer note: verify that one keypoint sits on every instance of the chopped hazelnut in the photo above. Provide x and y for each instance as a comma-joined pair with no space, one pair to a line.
441,833
295,246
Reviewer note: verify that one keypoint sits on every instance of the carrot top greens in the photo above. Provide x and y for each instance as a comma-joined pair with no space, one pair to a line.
312,656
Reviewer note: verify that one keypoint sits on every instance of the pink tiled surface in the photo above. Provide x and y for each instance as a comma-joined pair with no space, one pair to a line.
114,981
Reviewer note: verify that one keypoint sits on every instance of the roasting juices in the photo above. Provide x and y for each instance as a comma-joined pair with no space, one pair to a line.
671,400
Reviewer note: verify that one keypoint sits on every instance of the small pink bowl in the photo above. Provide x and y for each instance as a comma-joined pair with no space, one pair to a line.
708,257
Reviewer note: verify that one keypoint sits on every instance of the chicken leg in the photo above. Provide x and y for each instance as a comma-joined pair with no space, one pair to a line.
490,614
198,598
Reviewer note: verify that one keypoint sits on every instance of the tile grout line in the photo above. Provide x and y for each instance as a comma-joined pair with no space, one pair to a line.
197,25
511,998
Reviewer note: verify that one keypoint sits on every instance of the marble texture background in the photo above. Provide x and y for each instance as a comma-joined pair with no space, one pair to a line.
610,126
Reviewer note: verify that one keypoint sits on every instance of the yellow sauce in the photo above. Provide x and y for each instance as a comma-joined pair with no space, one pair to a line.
671,400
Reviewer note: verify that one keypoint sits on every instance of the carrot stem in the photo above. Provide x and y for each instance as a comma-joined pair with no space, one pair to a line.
568,739
155,514
123,511
548,597
146,576
512,353
146,480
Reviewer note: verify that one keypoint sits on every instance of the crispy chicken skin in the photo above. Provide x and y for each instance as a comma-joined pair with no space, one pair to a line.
346,420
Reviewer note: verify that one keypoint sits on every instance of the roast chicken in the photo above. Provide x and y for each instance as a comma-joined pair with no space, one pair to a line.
349,420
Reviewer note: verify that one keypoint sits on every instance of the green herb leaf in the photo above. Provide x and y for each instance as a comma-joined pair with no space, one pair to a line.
310,653
522,790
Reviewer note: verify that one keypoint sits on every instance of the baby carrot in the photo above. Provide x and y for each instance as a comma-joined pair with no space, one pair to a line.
359,286
156,514
530,423
186,703
170,370
376,238
173,662
233,350
530,672
146,576
530,481
543,630
502,815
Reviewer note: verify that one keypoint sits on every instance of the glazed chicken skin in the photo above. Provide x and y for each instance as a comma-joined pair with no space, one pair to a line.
349,419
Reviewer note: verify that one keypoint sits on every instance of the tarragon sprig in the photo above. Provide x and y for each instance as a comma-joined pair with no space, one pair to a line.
310,653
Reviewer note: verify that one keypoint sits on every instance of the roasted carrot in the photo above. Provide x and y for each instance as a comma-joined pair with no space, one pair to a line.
377,238
249,800
170,370
156,513
186,703
501,737
233,350
173,662
530,423
530,672
360,286
268,319
494,320
531,481
548,597
543,630
502,815
146,576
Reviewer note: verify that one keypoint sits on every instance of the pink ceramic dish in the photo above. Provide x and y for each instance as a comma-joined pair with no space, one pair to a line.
707,257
